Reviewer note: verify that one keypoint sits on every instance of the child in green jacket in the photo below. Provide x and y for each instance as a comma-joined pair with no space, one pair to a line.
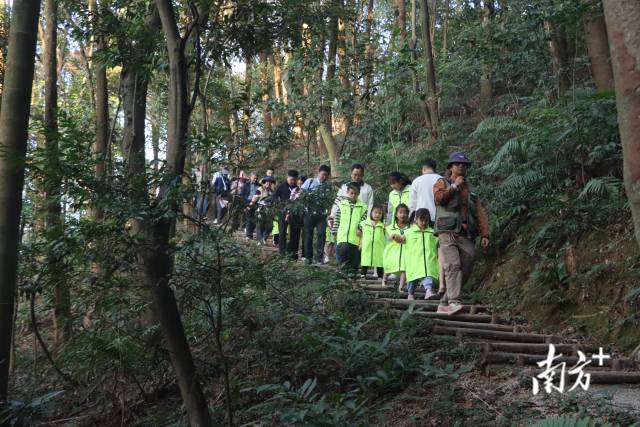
422,255
351,212
373,240
395,253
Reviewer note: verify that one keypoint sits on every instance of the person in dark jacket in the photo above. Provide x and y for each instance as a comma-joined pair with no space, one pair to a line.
250,190
315,217
282,196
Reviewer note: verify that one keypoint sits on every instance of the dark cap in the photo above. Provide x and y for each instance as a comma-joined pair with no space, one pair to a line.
458,157
267,179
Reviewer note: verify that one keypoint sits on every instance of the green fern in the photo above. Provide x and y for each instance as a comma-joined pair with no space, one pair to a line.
493,127
602,187
521,181
516,147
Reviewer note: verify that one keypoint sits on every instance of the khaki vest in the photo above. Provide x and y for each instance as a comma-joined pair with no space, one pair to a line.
449,217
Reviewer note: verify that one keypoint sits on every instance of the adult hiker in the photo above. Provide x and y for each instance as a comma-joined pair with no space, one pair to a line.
421,190
315,215
262,205
289,220
250,190
460,218
366,192
220,185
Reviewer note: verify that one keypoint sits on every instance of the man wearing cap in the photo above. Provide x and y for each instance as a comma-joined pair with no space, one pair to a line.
460,218
282,196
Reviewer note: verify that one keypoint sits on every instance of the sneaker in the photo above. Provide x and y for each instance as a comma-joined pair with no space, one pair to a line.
443,309
383,283
454,308
247,238
428,293
411,297
215,221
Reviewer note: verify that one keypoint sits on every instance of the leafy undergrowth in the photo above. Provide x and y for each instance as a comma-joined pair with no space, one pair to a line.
300,346
588,289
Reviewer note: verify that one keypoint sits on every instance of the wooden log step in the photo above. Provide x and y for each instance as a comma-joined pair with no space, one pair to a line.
494,335
471,325
479,318
395,303
421,303
522,359
394,294
517,347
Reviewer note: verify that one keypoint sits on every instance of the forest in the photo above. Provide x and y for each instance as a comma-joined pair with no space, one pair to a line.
139,139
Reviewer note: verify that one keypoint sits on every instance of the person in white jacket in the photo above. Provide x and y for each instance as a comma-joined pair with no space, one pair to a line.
421,193
366,192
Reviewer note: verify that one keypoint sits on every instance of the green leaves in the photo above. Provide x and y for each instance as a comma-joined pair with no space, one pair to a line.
607,186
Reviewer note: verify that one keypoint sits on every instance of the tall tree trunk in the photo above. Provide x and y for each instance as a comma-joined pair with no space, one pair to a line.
598,47
331,146
486,86
368,53
4,38
433,12
264,90
343,72
401,9
413,45
157,258
102,113
559,55
445,25
133,86
14,126
623,28
431,97
52,184
246,109
286,80
336,10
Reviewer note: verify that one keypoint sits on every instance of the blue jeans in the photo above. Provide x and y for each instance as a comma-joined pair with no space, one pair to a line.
425,282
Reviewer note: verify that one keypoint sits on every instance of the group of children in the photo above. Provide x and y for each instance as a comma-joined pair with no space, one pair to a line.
407,250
